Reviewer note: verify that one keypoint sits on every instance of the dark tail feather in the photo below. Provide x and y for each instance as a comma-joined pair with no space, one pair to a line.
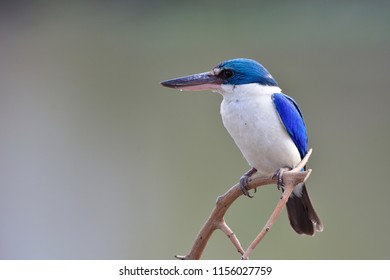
303,217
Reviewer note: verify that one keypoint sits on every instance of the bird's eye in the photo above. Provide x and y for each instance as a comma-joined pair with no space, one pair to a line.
226,73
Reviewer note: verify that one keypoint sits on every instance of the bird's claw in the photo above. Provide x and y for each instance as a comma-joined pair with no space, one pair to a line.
244,182
279,175
244,185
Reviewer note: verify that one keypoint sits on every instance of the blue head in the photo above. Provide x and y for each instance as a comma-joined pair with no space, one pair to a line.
242,71
237,71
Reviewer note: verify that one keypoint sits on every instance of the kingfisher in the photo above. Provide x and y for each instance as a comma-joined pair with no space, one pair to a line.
267,126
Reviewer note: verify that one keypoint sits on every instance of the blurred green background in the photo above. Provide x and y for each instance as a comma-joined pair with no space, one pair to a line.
98,161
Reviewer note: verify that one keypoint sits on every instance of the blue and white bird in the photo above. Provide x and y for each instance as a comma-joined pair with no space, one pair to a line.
267,126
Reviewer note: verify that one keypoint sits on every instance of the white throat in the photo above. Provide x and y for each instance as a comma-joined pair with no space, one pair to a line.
247,90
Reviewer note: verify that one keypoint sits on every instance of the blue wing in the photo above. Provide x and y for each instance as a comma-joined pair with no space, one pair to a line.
292,119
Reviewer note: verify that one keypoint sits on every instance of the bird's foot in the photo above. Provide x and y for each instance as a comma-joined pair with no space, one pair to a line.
244,182
279,175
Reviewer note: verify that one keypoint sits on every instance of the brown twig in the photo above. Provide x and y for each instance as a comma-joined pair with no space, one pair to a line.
216,218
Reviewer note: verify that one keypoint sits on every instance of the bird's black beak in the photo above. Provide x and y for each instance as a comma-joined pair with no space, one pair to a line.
201,81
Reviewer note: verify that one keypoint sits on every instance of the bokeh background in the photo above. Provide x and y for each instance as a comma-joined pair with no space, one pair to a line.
98,161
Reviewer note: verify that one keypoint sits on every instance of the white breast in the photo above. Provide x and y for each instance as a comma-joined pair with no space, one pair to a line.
249,115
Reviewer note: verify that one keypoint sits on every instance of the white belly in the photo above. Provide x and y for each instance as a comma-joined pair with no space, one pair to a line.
250,117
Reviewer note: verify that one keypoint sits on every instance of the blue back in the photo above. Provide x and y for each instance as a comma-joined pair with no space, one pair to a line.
293,121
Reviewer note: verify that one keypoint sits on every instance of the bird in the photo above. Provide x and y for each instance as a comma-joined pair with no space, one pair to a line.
267,126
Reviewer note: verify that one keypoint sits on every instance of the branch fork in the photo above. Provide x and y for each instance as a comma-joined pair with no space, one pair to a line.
216,219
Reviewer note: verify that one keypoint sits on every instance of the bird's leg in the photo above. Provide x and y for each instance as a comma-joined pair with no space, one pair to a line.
244,181
279,175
